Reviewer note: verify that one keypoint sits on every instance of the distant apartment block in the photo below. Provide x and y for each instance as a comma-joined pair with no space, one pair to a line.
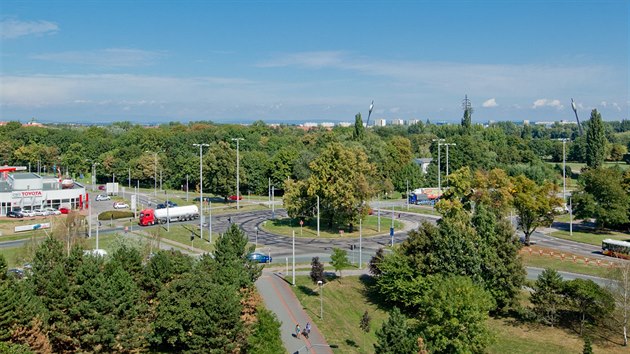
380,122
345,124
413,121
398,122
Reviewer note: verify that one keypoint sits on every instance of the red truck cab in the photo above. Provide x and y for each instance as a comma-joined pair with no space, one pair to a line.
147,217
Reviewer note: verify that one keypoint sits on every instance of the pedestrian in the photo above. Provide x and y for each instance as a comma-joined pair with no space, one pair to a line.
297,331
308,327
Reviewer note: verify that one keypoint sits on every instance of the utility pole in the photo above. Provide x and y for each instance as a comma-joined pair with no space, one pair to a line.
186,187
360,243
237,174
564,171
318,216
210,221
439,143
200,187
293,282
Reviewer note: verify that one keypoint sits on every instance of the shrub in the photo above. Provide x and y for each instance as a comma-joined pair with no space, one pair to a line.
115,214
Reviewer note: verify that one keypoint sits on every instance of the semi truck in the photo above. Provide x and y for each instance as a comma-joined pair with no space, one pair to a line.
424,196
160,216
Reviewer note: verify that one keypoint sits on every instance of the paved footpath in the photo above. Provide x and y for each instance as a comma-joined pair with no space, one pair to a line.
279,298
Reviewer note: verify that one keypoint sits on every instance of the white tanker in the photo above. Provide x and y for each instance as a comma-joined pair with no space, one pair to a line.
159,216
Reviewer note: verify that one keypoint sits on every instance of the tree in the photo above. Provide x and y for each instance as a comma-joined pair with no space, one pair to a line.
265,337
589,300
375,262
548,296
535,205
601,195
359,129
395,337
450,304
230,264
595,141
317,270
342,178
364,324
220,169
620,290
339,259
588,347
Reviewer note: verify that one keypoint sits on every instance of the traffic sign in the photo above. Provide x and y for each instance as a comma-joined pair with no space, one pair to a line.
301,222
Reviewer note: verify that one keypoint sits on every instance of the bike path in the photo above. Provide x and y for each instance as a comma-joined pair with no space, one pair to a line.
280,299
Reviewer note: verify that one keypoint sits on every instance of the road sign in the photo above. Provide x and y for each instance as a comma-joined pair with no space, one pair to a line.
301,222
391,231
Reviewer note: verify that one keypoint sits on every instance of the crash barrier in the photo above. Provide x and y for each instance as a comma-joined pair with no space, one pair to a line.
571,257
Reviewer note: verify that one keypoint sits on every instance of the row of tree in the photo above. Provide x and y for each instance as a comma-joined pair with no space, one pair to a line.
170,303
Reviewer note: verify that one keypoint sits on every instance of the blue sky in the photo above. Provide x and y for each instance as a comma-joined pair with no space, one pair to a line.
296,61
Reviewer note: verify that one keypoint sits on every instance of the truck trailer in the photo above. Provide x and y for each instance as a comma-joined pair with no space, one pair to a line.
160,216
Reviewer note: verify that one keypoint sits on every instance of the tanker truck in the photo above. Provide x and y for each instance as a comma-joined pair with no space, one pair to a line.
159,216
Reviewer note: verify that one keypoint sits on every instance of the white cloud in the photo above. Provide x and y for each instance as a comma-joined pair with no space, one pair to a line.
490,103
544,102
616,105
11,28
110,57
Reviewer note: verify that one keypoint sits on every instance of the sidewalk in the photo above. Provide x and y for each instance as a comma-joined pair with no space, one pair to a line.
279,298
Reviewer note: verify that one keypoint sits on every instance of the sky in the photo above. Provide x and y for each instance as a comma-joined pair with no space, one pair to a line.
297,61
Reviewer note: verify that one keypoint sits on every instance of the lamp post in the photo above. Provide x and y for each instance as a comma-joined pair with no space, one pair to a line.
201,188
186,187
94,174
237,175
293,282
360,243
564,171
256,228
447,145
439,143
321,299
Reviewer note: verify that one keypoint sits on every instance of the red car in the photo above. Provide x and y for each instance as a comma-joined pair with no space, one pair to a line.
64,210
233,197
101,188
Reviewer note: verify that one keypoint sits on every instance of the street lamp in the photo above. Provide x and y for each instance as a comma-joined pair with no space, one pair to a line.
439,143
94,174
201,188
564,170
256,228
237,168
447,145
321,299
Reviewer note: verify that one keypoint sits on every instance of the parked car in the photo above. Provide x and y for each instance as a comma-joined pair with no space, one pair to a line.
102,197
52,211
120,205
101,188
205,199
259,257
41,212
233,197
28,213
15,273
15,214
64,210
160,206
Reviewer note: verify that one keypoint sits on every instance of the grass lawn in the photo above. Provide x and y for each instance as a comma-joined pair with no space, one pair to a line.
345,300
181,233
566,265
590,236
418,209
286,227
344,304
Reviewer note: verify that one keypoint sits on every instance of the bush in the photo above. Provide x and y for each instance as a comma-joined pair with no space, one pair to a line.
115,214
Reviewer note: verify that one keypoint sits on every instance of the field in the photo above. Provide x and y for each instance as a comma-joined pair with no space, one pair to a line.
286,227
345,299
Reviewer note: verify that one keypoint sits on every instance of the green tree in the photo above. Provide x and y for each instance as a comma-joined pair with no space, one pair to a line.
317,270
342,178
595,141
230,264
265,336
620,290
548,296
375,262
220,169
535,205
339,259
589,300
359,129
395,337
364,324
450,304
588,347
601,195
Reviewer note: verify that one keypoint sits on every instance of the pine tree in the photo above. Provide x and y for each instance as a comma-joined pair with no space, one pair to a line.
375,261
394,337
359,129
230,264
547,297
317,270
595,141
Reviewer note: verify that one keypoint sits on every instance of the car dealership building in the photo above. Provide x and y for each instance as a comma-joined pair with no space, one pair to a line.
30,191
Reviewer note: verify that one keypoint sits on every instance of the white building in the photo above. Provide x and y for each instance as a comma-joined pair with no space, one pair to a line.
413,121
31,191
380,122
398,122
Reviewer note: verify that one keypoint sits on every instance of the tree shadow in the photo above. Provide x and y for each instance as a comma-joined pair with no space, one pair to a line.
351,343
371,293
306,290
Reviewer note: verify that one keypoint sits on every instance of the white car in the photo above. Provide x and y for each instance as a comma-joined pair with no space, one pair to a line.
101,197
120,205
41,212
28,213
53,211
